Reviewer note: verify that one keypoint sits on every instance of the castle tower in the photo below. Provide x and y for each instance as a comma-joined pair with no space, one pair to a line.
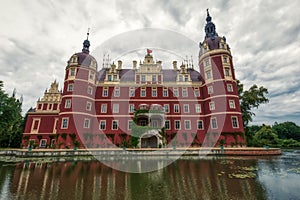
77,104
221,101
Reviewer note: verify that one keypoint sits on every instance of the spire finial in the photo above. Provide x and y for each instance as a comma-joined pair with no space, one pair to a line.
87,34
86,43
208,18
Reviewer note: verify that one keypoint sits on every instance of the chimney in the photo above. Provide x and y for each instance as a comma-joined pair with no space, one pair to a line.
175,65
134,64
119,64
159,63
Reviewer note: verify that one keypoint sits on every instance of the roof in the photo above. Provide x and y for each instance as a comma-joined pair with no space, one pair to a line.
169,75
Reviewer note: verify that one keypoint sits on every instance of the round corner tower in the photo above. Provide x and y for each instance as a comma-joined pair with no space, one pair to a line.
221,100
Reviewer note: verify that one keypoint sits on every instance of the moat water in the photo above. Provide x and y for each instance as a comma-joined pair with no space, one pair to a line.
276,177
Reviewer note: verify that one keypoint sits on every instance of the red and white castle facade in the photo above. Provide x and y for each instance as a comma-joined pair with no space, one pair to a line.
98,108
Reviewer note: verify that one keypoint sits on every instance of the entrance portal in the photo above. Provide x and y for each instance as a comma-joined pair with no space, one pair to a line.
149,142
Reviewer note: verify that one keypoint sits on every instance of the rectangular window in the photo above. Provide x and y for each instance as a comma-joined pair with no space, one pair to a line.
131,108
175,92
70,87
36,124
65,123
130,124
131,92
198,108
167,125
115,108
187,124
92,75
114,125
176,108
212,106
177,125
105,92
154,92
166,108
109,78
90,90
225,59
227,71
86,123
184,92
214,123
186,108
102,125
165,92
72,72
208,74
180,78
143,123
43,143
186,78
115,77
143,78
88,105
210,90
199,124
206,62
154,123
116,92
231,104
196,92
68,103
234,121
103,108
229,88
143,92
153,78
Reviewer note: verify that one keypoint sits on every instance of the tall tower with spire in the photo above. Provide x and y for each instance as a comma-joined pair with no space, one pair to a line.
221,103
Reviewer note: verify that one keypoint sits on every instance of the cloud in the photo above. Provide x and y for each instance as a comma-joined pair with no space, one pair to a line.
39,37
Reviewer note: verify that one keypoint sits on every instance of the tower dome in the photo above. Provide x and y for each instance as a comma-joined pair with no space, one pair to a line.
83,58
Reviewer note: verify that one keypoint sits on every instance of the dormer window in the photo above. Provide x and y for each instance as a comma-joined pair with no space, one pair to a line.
109,78
115,77
186,78
180,78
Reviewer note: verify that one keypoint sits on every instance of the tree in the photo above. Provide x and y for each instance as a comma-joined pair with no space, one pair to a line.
250,99
11,120
287,130
266,136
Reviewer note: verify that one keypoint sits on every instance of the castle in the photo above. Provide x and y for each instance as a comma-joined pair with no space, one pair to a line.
143,105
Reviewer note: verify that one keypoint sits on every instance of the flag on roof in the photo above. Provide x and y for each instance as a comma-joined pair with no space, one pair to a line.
149,51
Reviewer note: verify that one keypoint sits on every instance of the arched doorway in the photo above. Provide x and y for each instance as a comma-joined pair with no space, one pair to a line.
149,142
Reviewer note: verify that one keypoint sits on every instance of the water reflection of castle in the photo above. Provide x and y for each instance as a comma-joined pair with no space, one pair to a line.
187,179
94,103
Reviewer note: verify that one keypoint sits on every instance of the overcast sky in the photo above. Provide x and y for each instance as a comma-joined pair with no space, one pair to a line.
38,37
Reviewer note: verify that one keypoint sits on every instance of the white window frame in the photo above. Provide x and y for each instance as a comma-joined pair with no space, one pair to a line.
87,122
208,74
212,105
131,108
88,106
104,106
168,108
143,78
168,128
154,78
187,122
91,75
154,92
131,92
210,89
70,87
178,108
229,87
105,94
165,92
68,103
184,108
237,122
112,125
143,90
72,72
184,92
212,123
104,123
117,92
231,104
198,108
202,127
41,141
62,122
90,90
175,122
175,92
196,91
116,108
130,123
